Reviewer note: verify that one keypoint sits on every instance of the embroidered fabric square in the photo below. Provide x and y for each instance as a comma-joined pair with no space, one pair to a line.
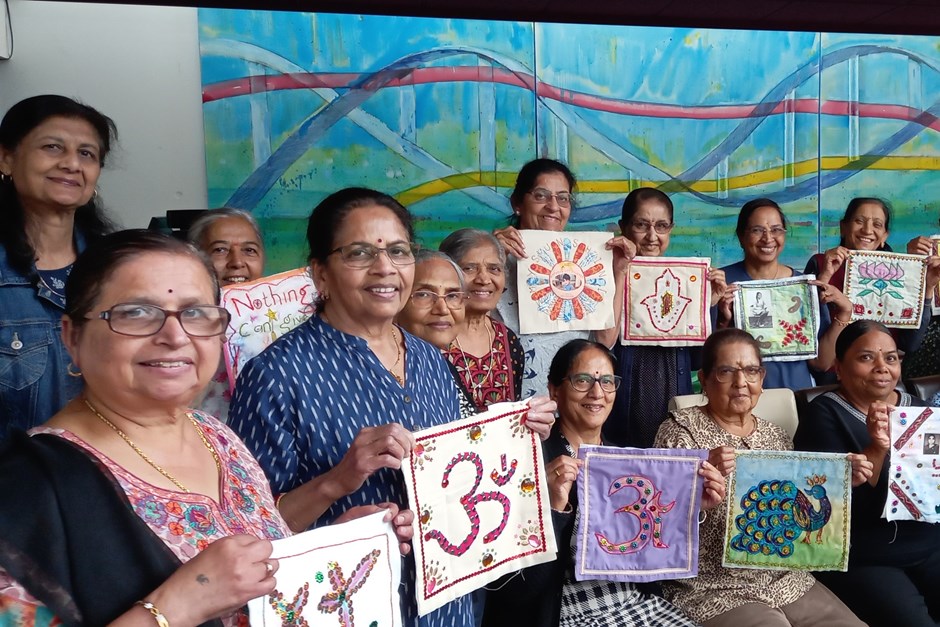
782,315
914,475
263,311
638,513
478,490
887,287
666,302
789,510
566,283
935,297
333,574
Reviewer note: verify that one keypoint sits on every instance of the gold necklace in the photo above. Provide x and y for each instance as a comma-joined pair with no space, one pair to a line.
398,342
476,391
215,456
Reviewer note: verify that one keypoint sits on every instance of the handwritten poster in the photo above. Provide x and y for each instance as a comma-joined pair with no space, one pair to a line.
782,315
789,510
478,490
263,311
666,301
638,513
346,574
887,287
914,475
566,283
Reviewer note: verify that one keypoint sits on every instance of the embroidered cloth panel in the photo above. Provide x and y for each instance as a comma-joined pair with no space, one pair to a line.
638,513
263,311
477,487
346,574
566,283
789,510
782,315
914,477
666,301
887,287
935,297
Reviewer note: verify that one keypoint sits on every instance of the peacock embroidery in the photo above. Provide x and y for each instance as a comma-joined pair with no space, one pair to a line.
776,513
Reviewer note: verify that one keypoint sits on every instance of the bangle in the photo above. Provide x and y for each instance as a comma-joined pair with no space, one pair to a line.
277,500
568,509
702,518
157,616
842,323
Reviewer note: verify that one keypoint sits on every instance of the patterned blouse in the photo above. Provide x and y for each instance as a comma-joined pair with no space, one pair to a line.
718,589
497,376
186,522
300,404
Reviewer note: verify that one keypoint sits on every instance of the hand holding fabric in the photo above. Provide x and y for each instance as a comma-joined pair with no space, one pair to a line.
541,415
722,458
713,492
511,240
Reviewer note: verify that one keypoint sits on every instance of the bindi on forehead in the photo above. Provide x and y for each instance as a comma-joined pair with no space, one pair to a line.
170,291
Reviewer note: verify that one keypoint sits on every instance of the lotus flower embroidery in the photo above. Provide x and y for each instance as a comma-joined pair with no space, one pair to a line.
879,277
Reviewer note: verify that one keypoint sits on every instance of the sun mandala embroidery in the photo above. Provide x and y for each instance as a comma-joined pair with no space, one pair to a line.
568,280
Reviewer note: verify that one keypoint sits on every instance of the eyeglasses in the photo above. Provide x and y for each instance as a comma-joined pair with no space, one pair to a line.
726,374
364,255
582,381
540,194
426,299
643,226
757,232
143,320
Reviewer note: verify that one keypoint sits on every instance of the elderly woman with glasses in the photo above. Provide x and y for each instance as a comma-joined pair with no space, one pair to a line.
732,375
543,199
581,380
762,234
127,507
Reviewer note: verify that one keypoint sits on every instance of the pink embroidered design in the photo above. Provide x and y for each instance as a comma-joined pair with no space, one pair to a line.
905,500
340,599
667,303
910,431
878,277
648,512
291,612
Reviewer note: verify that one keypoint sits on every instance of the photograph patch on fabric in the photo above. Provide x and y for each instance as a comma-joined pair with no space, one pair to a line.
478,490
666,302
914,475
782,315
346,574
638,513
566,283
789,510
887,287
262,311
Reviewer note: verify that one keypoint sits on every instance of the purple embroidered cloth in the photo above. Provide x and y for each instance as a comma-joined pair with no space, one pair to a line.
638,513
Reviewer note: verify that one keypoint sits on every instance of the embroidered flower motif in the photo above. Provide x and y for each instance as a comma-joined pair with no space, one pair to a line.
176,529
878,277
859,309
152,511
907,312
202,544
200,519
243,501
173,508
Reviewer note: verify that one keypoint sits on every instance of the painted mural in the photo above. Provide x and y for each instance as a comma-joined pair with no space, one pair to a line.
442,113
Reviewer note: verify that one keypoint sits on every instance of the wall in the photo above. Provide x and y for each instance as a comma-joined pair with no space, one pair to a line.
443,112
139,65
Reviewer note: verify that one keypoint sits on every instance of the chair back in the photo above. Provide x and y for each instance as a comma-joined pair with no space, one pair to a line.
776,405
804,397
924,387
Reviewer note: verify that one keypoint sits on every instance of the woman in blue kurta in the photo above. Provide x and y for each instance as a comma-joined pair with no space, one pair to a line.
329,408
762,233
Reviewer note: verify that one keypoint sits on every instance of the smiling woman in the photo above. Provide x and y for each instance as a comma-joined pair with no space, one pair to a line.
232,240
52,150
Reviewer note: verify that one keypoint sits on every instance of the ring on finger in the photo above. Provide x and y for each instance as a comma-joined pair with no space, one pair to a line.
557,474
269,567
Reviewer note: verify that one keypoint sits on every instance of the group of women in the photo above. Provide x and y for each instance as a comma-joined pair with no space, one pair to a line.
123,505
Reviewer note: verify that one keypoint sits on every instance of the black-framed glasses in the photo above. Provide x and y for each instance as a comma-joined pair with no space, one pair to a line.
427,299
757,232
582,381
141,320
643,226
540,194
726,374
364,255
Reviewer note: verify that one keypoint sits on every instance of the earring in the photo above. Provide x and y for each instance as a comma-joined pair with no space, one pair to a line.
6,178
72,373
325,295
94,195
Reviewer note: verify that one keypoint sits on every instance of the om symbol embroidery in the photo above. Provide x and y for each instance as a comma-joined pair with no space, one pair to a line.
471,499
648,511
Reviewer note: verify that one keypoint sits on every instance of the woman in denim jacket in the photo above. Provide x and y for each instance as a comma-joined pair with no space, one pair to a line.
52,150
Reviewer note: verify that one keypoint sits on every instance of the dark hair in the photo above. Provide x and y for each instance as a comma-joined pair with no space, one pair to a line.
561,362
855,204
854,331
527,176
640,196
459,243
328,216
102,259
744,216
722,337
18,122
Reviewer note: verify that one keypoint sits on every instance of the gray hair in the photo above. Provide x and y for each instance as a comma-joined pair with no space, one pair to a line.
429,254
197,230
459,243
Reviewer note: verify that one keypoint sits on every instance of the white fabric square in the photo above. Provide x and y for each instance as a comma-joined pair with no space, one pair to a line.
887,287
782,315
666,301
328,575
566,283
478,490
914,475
